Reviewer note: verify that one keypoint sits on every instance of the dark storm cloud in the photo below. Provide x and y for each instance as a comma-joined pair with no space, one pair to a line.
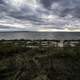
40,16
65,7
2,7
47,3
1,2
6,10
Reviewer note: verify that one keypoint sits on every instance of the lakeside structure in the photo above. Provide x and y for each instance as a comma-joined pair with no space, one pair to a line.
43,43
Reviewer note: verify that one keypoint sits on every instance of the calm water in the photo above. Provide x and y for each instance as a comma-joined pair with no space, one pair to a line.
40,35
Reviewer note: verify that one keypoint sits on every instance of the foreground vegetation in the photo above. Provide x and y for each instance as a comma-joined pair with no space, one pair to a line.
18,62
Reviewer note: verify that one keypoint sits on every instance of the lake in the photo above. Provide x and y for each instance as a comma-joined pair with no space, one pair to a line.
39,35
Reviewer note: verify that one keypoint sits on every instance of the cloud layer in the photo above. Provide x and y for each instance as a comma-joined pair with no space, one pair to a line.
40,15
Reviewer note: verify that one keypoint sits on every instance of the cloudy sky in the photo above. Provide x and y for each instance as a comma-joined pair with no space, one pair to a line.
40,15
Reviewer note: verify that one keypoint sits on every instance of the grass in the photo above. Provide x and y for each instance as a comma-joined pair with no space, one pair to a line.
46,63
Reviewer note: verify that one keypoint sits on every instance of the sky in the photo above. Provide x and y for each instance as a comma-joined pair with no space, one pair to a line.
40,15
